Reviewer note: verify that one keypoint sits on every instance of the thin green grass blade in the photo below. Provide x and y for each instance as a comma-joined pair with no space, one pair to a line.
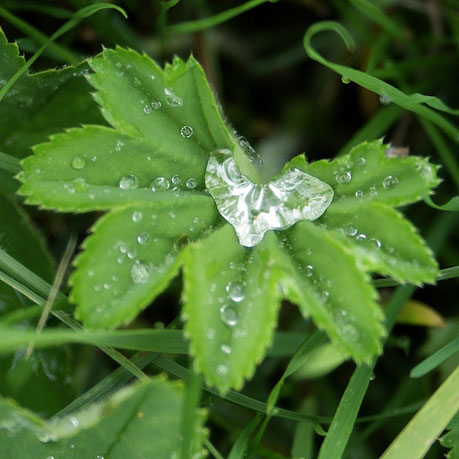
60,52
240,446
341,428
9,163
417,103
424,428
435,359
207,23
189,413
70,24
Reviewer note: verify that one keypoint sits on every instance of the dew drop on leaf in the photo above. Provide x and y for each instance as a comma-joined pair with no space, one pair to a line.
136,82
351,230
129,182
308,271
345,80
359,194
160,184
390,181
172,99
191,183
147,109
373,192
222,370
376,242
143,238
137,216
156,105
229,315
385,99
236,290
119,145
361,237
226,349
78,162
344,177
252,209
141,271
361,162
186,132
176,180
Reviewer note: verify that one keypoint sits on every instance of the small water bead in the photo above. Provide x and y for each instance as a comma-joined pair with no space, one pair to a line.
186,132
147,109
191,183
141,271
351,229
129,182
131,254
344,177
136,82
78,162
376,242
156,105
172,99
225,349
373,192
119,145
359,194
236,290
385,99
390,181
137,216
229,315
222,370
361,162
309,271
143,238
176,180
160,184
361,237
345,80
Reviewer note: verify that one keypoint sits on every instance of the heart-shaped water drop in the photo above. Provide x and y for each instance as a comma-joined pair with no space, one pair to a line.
253,209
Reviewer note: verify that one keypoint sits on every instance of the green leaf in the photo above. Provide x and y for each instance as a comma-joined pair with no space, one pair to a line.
231,302
367,174
140,421
39,104
382,240
451,439
132,256
451,206
332,289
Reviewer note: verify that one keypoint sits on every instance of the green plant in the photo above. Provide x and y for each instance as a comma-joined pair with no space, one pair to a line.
182,195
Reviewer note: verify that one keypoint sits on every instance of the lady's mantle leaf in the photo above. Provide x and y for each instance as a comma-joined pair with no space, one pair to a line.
366,173
140,421
132,256
324,279
383,240
231,301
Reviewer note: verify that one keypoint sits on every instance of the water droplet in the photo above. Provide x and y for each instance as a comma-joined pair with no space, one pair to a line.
172,99
143,238
129,182
376,242
361,237
309,271
236,290
141,271
385,99
156,105
222,370
253,208
160,184
38,171
119,145
191,183
229,315
345,80
136,82
390,181
361,162
176,180
344,177
358,194
147,109
372,377
74,421
186,132
137,216
78,162
350,229
373,192
225,348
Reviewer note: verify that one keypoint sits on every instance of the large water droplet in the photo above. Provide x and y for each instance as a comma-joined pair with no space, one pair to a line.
253,209
160,184
345,80
78,162
236,290
344,177
229,315
186,132
141,271
129,182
